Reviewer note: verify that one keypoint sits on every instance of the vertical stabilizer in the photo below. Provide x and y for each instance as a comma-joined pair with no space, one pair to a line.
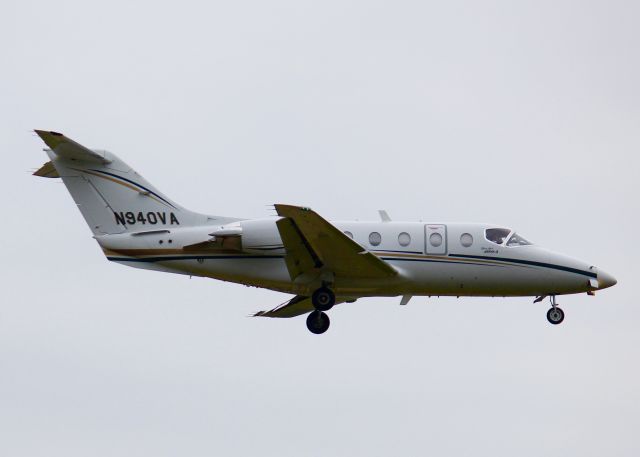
112,197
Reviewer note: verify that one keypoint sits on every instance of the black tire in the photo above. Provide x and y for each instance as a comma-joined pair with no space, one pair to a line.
317,322
555,315
323,299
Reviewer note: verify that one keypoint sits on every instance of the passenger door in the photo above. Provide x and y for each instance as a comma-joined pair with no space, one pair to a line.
435,239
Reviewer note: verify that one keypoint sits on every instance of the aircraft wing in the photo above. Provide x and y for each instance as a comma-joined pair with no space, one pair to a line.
312,243
297,306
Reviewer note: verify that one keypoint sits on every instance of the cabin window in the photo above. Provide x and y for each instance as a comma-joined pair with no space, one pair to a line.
375,238
497,235
466,239
404,239
435,239
517,240
349,234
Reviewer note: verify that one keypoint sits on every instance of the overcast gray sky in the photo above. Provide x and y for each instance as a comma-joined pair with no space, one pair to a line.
522,113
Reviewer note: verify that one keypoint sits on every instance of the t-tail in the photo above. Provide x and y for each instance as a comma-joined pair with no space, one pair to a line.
112,197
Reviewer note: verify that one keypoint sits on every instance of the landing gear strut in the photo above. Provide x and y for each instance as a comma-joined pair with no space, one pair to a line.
323,299
555,315
317,322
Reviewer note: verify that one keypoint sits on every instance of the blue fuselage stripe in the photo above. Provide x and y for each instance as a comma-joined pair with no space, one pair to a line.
528,262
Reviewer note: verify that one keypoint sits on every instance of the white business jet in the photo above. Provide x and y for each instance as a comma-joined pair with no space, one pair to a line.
299,252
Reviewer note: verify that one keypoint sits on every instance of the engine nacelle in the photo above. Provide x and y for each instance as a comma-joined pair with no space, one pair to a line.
261,235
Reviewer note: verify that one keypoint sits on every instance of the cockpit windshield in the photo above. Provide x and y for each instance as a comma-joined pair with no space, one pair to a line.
497,235
517,240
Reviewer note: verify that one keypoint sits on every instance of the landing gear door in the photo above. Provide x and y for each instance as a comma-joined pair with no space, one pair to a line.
435,239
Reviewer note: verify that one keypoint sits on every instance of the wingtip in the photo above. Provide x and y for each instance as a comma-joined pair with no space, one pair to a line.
42,133
287,210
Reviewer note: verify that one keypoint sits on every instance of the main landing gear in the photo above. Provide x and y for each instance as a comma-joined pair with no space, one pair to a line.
323,299
318,322
555,315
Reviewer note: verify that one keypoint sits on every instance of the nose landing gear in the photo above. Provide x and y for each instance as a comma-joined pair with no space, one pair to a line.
555,315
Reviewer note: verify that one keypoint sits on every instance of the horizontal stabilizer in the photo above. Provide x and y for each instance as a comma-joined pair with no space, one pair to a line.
47,171
68,149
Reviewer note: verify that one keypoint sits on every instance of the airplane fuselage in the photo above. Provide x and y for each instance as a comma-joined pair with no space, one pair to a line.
453,259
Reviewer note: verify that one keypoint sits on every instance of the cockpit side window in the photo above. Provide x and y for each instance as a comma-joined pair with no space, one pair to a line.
497,235
517,240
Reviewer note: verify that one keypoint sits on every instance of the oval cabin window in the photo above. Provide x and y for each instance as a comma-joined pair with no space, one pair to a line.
435,239
466,239
404,239
375,238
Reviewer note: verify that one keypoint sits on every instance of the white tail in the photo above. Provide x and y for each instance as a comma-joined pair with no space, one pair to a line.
112,197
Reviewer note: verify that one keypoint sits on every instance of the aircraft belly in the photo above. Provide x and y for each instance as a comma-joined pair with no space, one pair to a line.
421,275
466,279
261,271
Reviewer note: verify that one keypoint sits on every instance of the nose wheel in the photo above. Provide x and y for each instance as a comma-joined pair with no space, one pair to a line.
555,315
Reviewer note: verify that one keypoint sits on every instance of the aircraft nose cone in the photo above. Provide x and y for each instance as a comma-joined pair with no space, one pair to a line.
605,280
